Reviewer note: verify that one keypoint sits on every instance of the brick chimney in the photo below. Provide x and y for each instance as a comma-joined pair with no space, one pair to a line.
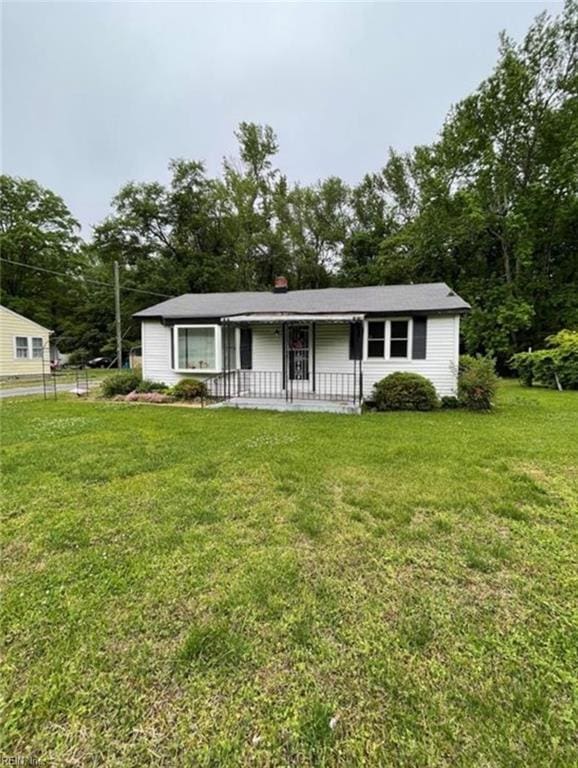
280,285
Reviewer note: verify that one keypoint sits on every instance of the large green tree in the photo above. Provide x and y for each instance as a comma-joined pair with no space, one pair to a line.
491,207
38,230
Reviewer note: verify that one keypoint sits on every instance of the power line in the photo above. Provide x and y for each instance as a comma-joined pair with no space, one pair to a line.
86,279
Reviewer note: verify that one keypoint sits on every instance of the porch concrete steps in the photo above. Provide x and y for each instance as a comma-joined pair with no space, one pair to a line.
279,404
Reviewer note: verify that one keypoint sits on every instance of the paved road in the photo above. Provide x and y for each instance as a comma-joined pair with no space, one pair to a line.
39,390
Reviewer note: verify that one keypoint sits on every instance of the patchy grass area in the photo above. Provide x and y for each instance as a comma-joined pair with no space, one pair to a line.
66,376
223,588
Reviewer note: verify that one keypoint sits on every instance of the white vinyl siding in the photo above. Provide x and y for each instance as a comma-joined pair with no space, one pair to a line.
332,349
18,358
267,348
331,356
156,352
440,365
157,361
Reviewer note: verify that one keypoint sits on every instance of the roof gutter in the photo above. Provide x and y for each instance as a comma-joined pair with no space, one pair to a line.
292,317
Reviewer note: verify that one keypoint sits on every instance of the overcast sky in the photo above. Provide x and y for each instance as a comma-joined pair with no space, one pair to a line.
96,94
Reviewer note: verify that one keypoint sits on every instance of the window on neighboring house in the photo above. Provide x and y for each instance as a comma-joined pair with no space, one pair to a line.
197,348
398,341
376,338
21,346
37,346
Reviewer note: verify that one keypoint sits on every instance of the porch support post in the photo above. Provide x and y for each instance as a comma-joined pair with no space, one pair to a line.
285,373
313,354
227,358
237,357
352,325
361,364
224,353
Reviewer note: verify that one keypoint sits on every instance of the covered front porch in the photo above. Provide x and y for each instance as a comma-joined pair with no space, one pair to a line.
291,362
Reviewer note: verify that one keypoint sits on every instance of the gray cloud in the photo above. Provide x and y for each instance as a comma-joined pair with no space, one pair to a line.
95,94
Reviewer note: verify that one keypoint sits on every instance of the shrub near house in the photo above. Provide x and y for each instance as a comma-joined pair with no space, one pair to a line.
128,385
477,383
120,383
405,392
189,389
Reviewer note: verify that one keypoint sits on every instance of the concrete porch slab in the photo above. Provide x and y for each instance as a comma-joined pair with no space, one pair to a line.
280,404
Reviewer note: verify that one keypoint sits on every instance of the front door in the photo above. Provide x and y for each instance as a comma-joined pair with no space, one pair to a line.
298,352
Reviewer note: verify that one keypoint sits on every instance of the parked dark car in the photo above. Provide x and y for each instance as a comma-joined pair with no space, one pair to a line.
99,362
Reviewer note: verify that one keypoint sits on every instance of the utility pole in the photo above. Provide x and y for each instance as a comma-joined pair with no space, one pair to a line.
117,317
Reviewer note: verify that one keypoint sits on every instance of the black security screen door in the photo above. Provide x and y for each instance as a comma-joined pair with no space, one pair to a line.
298,345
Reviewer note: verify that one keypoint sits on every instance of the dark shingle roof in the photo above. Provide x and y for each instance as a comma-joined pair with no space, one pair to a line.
425,297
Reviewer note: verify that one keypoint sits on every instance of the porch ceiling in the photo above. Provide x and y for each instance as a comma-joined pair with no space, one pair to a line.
281,317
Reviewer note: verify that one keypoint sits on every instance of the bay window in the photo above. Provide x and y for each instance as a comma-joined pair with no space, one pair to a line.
196,347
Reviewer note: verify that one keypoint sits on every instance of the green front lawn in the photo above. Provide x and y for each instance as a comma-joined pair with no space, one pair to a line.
208,587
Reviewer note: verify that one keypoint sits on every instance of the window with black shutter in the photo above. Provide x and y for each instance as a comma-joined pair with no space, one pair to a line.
246,349
399,338
376,338
355,341
419,344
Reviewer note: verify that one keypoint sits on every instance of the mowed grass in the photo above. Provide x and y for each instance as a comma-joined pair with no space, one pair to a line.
228,588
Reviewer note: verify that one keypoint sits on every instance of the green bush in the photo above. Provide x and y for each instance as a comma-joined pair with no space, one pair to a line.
466,362
449,401
551,367
523,364
477,384
120,384
189,389
405,392
146,386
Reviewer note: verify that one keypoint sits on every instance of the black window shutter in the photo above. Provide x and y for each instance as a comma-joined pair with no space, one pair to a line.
246,349
355,341
419,338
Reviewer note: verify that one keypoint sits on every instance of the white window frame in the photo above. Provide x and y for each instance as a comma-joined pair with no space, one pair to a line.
28,347
218,348
387,351
366,338
31,342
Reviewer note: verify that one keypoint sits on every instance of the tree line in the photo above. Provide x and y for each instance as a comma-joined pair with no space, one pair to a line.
490,207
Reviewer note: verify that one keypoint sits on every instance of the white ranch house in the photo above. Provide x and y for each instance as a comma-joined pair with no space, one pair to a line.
312,350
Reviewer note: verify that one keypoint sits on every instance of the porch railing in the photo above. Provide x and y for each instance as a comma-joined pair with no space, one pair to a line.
339,387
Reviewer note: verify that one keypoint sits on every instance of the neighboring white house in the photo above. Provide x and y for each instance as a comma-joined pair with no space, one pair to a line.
310,347
24,345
